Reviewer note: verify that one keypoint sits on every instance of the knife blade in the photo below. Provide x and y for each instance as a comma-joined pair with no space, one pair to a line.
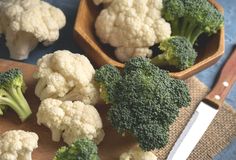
205,112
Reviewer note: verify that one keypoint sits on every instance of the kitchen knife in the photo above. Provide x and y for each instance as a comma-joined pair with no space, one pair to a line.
205,112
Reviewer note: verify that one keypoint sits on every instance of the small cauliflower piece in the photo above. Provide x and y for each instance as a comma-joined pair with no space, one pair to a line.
17,145
124,54
136,153
132,26
25,23
66,76
71,120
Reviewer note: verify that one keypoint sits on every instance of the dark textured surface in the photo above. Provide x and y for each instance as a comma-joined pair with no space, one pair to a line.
207,76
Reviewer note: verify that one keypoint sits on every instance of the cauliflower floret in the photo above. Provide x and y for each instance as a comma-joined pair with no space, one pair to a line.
66,76
88,94
51,115
55,83
70,120
136,153
25,23
17,145
132,25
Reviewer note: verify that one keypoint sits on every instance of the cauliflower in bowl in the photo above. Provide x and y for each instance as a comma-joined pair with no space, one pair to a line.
25,23
71,120
132,26
66,76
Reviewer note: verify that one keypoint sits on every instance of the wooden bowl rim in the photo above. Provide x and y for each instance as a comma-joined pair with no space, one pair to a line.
181,74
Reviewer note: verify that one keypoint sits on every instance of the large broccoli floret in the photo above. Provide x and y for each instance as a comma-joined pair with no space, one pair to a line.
177,52
191,18
11,87
82,149
146,100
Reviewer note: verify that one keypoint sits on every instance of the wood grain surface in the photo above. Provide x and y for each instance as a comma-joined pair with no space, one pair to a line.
110,148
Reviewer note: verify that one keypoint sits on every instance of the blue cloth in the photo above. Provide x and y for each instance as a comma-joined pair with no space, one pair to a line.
208,76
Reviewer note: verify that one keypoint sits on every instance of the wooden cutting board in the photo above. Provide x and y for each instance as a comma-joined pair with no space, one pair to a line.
109,149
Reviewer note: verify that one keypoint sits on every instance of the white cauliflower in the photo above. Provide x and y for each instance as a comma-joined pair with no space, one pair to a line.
136,153
66,76
132,26
71,120
25,23
17,145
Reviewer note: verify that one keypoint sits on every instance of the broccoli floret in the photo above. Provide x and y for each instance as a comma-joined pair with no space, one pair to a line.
191,18
107,78
82,149
11,87
146,101
177,52
146,132
172,11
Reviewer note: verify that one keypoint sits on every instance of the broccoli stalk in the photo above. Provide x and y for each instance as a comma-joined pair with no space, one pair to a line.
2,108
191,18
145,101
82,149
177,52
11,88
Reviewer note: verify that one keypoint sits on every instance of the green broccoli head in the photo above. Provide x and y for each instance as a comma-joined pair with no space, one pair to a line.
146,132
11,87
146,102
106,77
172,11
134,66
177,52
191,18
82,149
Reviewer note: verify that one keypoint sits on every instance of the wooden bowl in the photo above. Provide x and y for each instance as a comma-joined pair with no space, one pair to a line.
209,51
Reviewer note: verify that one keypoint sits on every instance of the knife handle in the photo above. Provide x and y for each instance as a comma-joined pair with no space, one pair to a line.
225,82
